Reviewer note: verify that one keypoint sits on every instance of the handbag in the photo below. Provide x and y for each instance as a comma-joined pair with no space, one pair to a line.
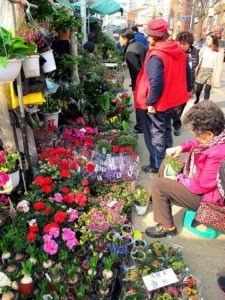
211,215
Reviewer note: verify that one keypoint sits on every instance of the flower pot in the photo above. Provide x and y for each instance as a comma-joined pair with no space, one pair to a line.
50,118
11,71
26,289
139,243
49,65
141,210
14,179
31,66
127,229
65,36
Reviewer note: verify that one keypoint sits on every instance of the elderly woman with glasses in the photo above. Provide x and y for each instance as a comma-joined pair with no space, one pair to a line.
197,182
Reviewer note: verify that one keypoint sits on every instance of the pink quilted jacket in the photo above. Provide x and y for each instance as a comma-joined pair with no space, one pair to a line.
207,164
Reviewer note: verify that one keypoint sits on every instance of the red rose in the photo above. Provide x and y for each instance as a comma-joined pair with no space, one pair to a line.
49,226
34,228
115,149
64,173
39,180
39,205
60,217
65,190
31,236
47,210
84,182
53,161
46,189
68,198
64,164
80,198
90,167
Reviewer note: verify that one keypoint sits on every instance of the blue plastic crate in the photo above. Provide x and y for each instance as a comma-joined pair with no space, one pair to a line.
208,232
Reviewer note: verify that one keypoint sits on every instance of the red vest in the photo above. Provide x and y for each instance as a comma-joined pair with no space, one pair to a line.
175,82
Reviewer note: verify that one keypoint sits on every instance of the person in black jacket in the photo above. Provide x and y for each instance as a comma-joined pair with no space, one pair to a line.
186,41
135,53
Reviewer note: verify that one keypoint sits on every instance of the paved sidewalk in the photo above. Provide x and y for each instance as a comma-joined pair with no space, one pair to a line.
204,257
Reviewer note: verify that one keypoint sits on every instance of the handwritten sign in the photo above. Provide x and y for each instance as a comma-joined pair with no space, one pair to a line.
159,279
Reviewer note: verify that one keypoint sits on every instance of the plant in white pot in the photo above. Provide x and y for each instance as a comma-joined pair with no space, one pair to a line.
13,50
141,200
9,165
50,111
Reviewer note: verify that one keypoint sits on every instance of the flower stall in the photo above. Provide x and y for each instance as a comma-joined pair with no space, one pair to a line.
70,235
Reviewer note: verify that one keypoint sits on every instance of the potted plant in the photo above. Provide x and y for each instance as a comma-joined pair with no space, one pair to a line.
92,262
103,288
173,166
12,50
50,111
108,272
26,284
4,246
141,200
9,165
64,22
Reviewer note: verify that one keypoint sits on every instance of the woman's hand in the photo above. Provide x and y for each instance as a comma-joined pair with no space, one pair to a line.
174,151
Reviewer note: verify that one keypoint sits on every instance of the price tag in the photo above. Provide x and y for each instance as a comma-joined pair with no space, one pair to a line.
99,177
118,175
159,279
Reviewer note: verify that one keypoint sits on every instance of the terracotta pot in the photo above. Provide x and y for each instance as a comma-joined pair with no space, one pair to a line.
65,36
26,289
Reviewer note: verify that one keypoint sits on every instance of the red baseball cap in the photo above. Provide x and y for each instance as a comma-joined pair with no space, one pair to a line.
157,27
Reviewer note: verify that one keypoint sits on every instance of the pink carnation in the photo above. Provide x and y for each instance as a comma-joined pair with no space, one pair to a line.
58,197
73,214
71,243
54,232
51,247
68,234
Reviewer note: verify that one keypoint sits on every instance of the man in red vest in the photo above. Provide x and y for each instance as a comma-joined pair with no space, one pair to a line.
161,85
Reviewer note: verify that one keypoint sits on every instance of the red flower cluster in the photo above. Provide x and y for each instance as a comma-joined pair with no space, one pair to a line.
60,217
118,149
32,234
39,205
90,167
45,183
80,198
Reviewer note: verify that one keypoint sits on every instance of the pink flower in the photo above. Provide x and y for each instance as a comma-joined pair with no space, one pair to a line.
71,243
3,178
68,234
80,121
51,247
58,197
54,232
47,238
73,214
2,157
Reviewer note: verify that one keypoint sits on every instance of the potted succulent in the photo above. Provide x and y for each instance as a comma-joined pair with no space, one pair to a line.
50,111
12,50
141,200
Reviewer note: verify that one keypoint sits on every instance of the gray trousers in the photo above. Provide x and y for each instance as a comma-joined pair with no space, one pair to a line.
166,192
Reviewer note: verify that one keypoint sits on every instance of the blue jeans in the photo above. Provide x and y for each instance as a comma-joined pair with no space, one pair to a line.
158,135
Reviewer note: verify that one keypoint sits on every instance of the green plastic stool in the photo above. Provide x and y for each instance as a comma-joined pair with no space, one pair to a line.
209,233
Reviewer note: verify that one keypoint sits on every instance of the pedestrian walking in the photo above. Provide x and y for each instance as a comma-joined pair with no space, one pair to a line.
139,36
186,40
161,85
209,69
198,180
135,53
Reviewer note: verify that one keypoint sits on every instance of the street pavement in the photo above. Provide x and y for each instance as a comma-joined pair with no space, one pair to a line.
204,257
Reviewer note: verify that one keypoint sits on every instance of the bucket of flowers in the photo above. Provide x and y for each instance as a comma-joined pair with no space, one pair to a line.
9,171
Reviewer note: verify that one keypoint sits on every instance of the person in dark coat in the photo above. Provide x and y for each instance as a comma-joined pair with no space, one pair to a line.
135,53
139,37
186,41
90,44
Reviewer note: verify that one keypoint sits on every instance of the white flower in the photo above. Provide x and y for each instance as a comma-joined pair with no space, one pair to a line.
32,222
4,280
23,205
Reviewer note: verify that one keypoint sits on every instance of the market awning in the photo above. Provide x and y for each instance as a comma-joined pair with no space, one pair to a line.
101,7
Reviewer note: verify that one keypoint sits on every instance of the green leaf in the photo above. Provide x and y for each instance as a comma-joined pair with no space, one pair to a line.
3,61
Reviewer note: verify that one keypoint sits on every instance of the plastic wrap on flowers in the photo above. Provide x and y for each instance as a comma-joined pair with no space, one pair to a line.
113,167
